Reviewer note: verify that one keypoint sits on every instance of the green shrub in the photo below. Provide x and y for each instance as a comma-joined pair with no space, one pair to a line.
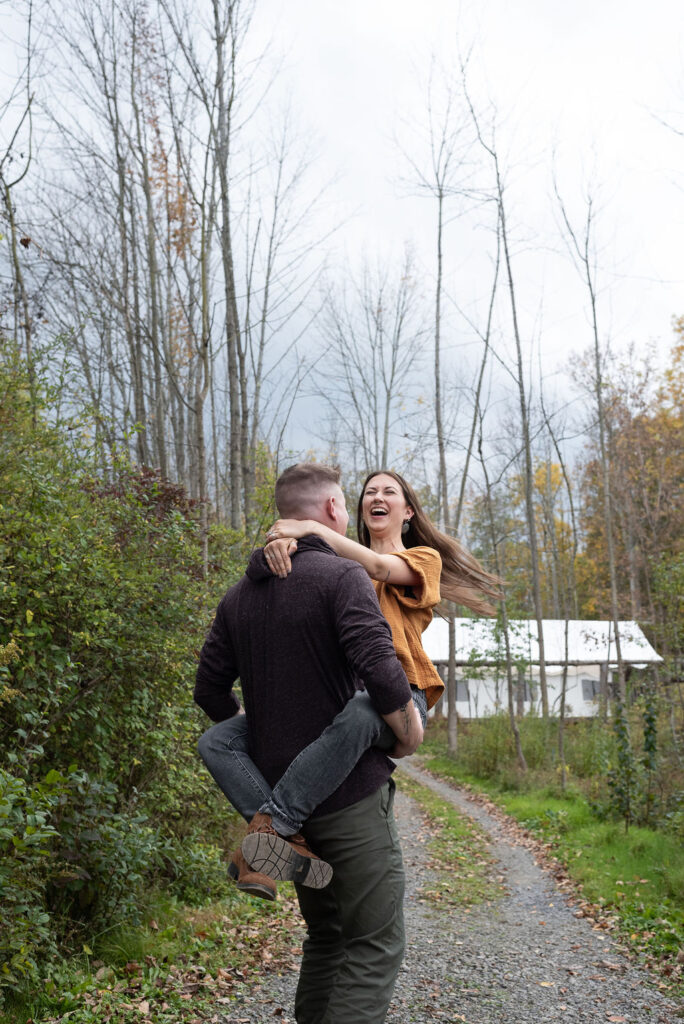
101,856
25,839
485,746
103,607
589,747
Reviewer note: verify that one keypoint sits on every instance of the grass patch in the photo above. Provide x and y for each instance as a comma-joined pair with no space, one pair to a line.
458,849
636,876
185,964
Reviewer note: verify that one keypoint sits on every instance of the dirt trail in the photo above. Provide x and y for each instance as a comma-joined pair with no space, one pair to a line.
525,959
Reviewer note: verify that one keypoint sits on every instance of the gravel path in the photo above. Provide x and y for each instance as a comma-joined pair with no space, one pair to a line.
526,959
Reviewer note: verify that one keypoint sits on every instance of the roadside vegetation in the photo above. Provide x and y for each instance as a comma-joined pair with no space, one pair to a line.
105,809
632,879
180,965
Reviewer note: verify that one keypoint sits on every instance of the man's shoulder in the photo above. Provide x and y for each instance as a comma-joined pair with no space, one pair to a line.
232,593
323,560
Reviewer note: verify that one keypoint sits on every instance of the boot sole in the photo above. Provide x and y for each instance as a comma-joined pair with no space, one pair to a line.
274,857
253,888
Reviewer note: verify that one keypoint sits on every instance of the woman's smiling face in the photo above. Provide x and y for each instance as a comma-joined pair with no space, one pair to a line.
383,505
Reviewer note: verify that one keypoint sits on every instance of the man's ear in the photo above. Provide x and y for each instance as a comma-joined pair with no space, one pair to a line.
331,508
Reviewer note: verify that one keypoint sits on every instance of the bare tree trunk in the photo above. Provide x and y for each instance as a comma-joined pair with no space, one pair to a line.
21,309
22,314
527,449
561,716
452,721
478,389
582,251
522,763
136,352
225,43
569,592
490,149
152,269
439,420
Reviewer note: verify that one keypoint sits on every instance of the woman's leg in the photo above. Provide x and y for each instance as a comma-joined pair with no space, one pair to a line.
324,765
224,750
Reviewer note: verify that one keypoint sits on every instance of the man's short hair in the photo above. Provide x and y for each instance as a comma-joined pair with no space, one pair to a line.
300,488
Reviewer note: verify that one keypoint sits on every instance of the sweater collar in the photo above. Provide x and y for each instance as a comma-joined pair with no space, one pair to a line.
258,570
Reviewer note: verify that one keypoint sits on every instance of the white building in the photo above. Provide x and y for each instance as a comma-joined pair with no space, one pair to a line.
588,650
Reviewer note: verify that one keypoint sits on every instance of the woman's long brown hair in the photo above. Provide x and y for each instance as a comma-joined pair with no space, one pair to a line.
463,580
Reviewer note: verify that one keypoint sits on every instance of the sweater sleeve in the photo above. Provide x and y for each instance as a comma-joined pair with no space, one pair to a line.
366,640
217,671
427,563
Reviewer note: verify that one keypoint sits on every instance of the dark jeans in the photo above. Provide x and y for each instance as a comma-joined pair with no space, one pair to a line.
314,774
355,927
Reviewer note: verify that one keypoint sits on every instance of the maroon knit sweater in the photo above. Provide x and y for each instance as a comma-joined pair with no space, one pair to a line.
301,646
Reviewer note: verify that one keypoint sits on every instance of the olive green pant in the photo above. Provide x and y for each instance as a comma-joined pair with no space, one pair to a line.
355,927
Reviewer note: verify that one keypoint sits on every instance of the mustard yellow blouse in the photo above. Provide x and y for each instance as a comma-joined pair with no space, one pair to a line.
409,611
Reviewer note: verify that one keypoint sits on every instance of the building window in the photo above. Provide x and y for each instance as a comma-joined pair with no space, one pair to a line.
591,689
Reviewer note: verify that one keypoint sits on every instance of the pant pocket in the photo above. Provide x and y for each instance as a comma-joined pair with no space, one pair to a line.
386,808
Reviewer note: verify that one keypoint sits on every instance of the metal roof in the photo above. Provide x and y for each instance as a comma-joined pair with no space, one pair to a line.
590,642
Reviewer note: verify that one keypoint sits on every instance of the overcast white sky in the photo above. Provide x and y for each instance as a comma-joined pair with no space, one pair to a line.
588,78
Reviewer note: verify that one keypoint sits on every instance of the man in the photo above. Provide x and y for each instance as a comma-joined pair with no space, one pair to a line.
299,645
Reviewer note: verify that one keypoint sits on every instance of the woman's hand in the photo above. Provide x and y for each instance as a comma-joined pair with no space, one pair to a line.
277,554
291,528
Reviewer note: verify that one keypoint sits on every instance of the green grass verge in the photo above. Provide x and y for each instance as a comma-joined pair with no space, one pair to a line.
184,965
637,876
458,850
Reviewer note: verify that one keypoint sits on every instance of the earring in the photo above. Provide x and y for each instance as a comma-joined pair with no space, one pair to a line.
405,526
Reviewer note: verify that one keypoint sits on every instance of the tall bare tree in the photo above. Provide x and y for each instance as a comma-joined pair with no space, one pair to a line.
375,332
16,119
581,246
499,195
496,543
441,175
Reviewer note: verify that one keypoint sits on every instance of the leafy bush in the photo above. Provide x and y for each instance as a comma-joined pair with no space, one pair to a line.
25,838
101,856
104,606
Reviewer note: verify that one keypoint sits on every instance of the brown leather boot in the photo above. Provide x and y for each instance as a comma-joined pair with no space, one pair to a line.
252,882
285,858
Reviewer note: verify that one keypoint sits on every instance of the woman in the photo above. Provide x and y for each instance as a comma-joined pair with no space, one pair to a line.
413,565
